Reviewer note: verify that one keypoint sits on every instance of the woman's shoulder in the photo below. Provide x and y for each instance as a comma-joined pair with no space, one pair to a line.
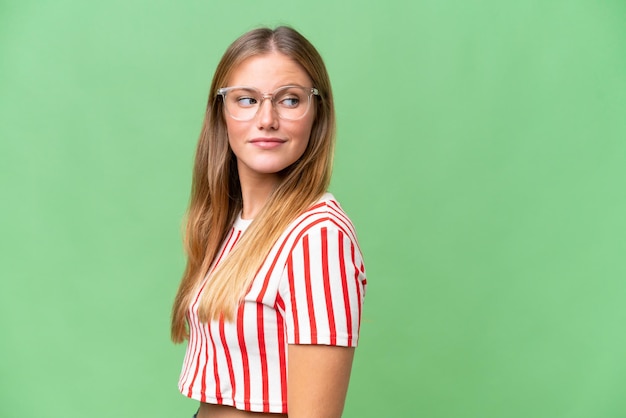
326,213
327,206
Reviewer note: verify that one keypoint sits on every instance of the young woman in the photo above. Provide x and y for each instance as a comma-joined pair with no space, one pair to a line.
271,297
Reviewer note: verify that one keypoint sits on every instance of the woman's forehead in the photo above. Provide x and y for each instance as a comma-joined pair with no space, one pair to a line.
269,71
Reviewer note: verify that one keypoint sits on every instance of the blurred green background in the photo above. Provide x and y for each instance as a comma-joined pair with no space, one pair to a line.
481,155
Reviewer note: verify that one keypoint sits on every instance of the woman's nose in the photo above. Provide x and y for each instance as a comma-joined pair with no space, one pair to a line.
267,116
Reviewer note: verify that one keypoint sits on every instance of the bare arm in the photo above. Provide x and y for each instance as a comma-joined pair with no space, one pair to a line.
317,380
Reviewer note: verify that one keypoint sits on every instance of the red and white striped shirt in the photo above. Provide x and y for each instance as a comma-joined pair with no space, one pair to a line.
309,290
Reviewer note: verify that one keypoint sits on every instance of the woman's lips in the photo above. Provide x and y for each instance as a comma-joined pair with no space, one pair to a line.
267,143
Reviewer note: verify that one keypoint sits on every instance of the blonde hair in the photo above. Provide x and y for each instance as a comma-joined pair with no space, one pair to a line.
216,194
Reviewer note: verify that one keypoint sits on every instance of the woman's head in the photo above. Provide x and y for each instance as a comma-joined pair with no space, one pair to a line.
316,160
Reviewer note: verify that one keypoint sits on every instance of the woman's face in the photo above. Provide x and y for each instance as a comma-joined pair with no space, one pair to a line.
267,144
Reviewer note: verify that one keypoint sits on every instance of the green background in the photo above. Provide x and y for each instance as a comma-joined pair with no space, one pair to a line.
481,155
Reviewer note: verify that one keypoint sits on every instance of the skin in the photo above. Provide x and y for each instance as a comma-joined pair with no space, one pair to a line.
317,378
317,375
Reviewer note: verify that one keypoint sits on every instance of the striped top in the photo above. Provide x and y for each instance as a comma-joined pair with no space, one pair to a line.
309,290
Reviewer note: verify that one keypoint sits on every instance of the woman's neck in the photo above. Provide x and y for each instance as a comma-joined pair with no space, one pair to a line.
255,191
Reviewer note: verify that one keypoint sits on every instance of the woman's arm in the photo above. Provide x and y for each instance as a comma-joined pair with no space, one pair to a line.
317,380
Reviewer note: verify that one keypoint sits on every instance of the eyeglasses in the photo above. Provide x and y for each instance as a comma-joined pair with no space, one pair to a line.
290,102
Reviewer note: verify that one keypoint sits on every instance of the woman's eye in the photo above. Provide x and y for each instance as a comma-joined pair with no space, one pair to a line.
246,101
290,102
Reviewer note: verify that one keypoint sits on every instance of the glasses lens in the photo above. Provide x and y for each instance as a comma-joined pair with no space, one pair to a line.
242,103
290,102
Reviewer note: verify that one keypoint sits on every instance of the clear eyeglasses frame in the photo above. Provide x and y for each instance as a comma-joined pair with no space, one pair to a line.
242,103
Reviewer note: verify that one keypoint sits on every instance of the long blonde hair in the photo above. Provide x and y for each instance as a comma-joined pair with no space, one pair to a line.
216,193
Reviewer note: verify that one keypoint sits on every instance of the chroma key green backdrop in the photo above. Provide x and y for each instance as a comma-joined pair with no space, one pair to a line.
481,155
